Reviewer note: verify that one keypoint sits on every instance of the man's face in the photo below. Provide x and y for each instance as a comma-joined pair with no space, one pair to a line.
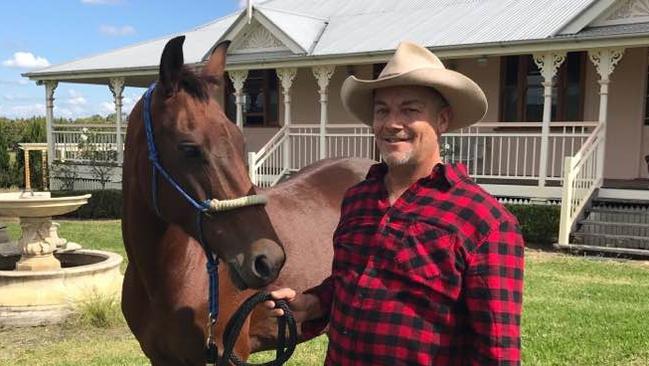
408,121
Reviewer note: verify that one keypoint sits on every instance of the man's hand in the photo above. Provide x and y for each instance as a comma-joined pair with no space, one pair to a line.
305,307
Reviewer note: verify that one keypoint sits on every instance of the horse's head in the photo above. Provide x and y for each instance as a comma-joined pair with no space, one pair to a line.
204,152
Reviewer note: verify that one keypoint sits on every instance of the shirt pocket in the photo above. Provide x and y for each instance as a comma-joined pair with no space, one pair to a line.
352,242
425,254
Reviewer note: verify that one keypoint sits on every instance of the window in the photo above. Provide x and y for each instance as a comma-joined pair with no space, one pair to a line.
261,99
522,89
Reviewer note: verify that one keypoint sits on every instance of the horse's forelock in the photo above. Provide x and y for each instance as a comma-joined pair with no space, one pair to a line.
195,85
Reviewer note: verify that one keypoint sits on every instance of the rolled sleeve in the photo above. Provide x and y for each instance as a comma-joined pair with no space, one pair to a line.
324,292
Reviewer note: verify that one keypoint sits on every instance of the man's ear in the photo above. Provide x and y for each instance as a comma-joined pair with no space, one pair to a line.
444,118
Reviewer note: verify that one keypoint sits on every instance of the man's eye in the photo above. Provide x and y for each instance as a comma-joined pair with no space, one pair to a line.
380,112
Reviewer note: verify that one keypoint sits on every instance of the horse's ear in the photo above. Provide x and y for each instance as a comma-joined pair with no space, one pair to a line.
171,65
216,63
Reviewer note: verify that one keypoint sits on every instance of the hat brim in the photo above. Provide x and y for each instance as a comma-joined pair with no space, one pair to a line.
465,97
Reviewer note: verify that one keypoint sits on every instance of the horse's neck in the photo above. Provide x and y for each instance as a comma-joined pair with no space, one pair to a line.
156,248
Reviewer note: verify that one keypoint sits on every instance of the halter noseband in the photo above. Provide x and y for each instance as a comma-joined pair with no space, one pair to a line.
201,207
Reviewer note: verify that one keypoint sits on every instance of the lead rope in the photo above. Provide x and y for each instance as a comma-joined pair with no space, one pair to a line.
285,347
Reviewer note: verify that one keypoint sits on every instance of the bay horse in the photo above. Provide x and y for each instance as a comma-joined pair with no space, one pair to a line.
286,243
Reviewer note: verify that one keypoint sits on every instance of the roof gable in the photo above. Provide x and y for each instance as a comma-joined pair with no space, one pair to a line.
273,30
624,12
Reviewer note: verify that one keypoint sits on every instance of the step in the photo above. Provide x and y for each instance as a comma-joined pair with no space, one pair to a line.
612,241
618,215
591,248
591,226
621,201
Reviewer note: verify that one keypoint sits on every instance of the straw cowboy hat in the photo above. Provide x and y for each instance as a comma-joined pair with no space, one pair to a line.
415,65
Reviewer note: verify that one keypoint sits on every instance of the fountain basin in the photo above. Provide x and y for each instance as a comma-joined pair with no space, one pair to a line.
30,298
38,204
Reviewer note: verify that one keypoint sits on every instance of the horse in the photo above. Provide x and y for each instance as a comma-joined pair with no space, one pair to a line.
286,243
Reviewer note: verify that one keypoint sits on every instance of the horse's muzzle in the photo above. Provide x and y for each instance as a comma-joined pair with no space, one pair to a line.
263,264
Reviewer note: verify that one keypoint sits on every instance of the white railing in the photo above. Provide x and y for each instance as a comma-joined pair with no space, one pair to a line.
494,150
512,150
101,138
268,165
341,140
583,175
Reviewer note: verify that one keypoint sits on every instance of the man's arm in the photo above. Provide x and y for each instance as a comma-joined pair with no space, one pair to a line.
494,295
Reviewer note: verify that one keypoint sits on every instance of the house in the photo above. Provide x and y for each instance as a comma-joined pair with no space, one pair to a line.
566,83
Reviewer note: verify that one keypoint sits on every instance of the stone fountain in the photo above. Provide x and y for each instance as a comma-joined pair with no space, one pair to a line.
43,276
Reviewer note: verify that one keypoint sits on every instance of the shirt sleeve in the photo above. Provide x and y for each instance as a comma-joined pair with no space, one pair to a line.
494,295
324,292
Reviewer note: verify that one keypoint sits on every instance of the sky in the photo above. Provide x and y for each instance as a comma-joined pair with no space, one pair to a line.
38,33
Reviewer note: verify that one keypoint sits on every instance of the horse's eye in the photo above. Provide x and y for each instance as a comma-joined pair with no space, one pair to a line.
189,150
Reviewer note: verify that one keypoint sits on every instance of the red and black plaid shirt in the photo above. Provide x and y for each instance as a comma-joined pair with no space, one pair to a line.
435,279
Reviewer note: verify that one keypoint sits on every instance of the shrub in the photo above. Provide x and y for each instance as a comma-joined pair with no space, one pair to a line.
104,204
99,311
539,223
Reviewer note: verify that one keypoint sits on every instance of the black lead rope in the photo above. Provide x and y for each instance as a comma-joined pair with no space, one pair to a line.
285,347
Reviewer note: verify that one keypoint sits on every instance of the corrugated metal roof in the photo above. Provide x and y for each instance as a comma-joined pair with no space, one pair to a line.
445,23
303,29
340,27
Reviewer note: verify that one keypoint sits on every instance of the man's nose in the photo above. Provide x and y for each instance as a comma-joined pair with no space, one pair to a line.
393,121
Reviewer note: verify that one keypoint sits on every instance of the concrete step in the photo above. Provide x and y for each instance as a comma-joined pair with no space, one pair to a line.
609,250
590,226
611,241
633,216
620,202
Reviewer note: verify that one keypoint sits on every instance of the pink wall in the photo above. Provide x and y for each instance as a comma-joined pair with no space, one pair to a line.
625,116
305,102
487,76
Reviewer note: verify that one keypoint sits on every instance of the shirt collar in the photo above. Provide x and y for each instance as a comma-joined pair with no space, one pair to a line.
451,173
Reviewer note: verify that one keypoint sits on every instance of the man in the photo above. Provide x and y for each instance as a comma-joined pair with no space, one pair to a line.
428,267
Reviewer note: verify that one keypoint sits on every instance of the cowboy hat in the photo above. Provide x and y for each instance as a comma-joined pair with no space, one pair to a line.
415,65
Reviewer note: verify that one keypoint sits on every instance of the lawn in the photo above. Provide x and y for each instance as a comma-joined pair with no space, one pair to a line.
577,311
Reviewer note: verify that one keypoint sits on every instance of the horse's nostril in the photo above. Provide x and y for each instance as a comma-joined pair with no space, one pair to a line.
262,267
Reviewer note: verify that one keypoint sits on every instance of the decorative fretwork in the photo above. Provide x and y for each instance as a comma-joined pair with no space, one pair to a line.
116,86
258,38
630,9
605,61
549,63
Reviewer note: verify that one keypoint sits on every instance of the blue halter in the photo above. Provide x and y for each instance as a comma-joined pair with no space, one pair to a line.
201,207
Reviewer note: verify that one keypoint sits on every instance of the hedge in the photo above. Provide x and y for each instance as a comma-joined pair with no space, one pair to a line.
539,223
104,204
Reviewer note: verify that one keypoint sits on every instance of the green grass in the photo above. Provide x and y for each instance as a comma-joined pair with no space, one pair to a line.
577,311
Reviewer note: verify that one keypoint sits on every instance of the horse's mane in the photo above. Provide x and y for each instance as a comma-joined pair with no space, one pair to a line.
196,85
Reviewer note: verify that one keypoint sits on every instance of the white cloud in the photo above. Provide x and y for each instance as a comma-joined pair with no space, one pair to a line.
25,111
111,30
100,2
26,60
107,108
76,98
16,82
